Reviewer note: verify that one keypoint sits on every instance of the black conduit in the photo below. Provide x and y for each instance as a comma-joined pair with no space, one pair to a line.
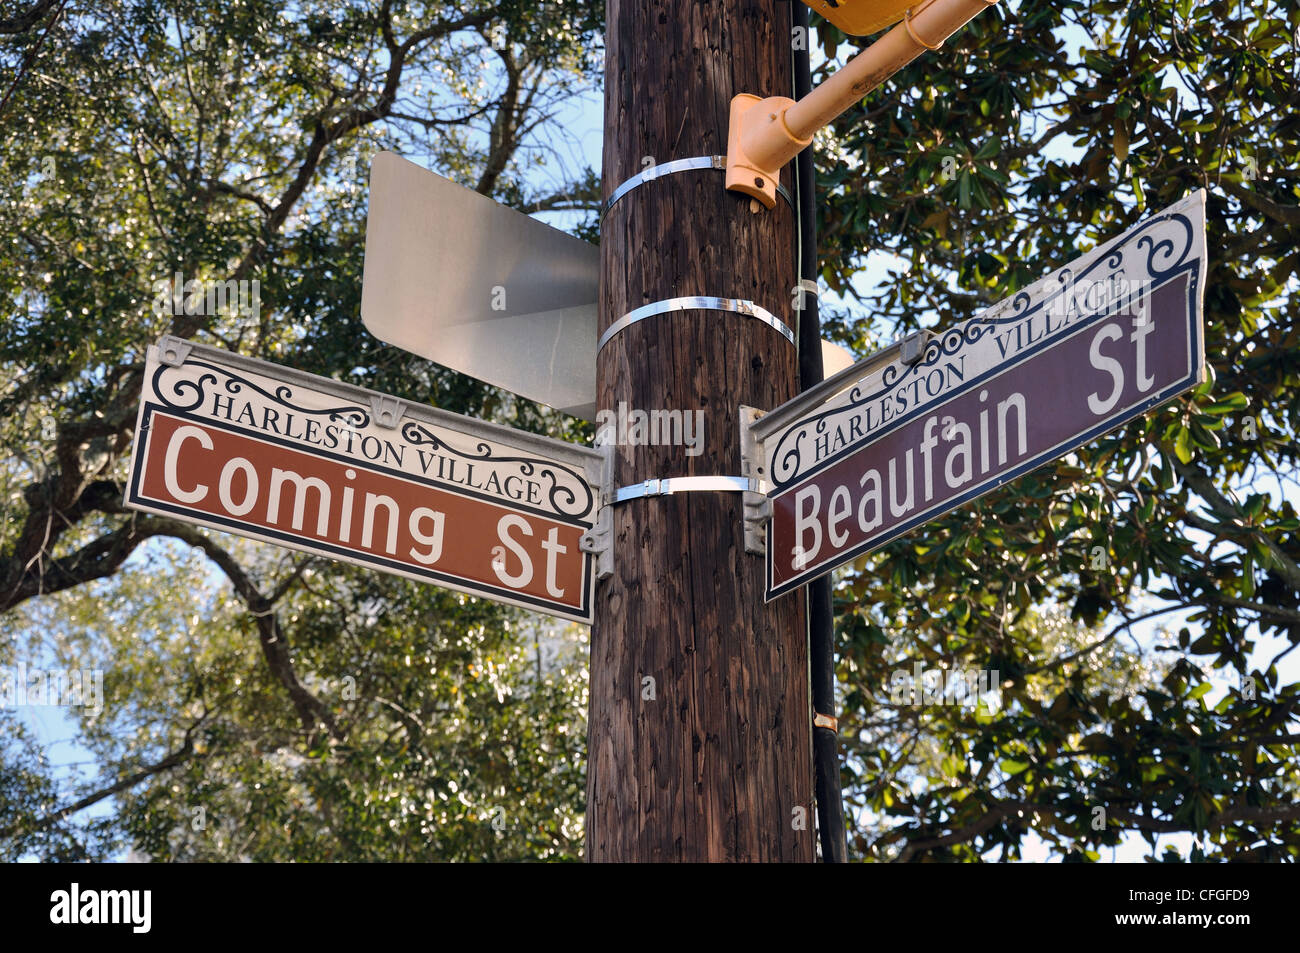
821,618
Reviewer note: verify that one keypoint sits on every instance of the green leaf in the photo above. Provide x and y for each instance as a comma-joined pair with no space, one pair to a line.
1231,403
994,174
1203,437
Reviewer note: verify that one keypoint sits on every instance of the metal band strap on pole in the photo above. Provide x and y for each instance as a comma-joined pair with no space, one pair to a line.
668,168
599,539
826,721
666,486
919,40
695,303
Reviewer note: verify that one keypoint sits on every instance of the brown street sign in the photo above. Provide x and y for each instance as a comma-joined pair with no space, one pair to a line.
1076,354
279,455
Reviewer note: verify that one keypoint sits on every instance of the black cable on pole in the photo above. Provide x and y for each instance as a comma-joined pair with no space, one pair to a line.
821,617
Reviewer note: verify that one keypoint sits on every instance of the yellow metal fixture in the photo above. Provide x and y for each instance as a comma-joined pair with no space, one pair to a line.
860,17
764,134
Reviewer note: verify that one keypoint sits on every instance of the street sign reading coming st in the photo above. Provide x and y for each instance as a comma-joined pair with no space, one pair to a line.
1076,354
315,465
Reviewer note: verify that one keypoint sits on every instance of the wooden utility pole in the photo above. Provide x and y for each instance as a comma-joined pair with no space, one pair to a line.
699,734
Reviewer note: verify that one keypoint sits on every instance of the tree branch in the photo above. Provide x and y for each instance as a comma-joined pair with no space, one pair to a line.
312,712
1227,512
179,756
995,815
25,21
322,135
1284,214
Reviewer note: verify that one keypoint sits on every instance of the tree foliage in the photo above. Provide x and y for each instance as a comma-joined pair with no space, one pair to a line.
1042,130
232,142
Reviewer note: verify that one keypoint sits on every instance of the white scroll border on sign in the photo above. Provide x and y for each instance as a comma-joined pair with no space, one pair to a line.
1165,256
356,406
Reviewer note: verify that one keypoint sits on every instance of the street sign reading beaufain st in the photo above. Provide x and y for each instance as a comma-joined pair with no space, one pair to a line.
1074,355
306,462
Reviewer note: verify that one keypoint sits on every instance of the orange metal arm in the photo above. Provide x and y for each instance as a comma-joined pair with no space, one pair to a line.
860,17
765,134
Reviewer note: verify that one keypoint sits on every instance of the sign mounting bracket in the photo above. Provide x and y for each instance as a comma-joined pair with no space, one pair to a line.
174,351
599,540
387,411
758,508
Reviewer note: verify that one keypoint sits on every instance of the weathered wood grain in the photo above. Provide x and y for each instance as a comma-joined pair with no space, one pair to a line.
714,767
